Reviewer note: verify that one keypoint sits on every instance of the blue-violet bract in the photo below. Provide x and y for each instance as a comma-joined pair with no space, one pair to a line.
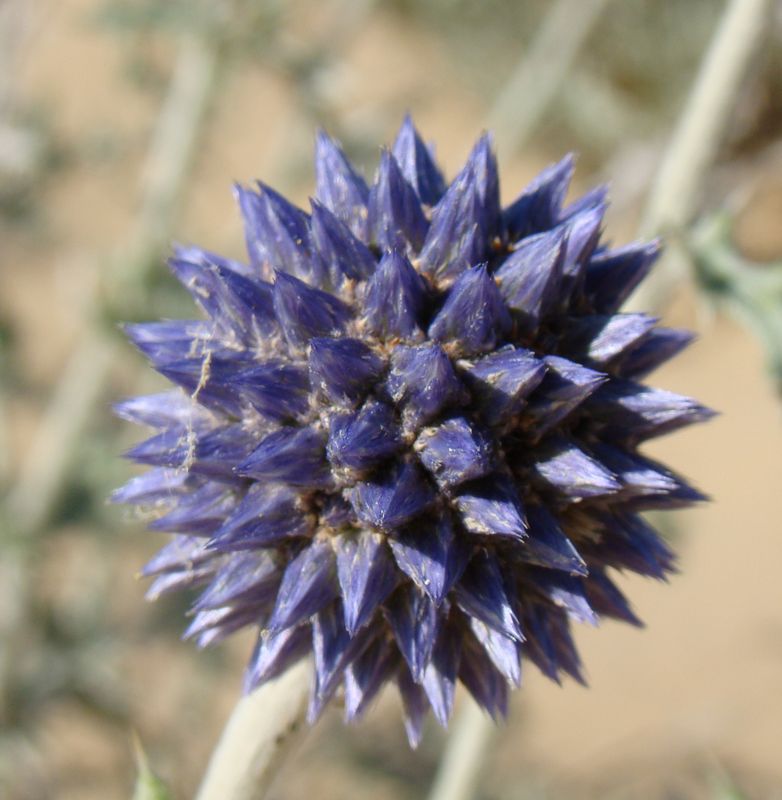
404,438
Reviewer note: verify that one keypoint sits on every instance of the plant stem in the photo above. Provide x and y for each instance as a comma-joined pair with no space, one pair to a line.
459,770
263,728
674,196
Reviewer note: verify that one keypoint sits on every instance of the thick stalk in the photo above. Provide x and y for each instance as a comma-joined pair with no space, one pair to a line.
264,727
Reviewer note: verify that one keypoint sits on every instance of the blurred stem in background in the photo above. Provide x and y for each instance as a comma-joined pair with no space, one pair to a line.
676,192
48,459
19,151
179,124
523,101
673,201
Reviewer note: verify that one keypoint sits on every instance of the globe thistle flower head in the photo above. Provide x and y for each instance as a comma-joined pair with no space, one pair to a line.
404,438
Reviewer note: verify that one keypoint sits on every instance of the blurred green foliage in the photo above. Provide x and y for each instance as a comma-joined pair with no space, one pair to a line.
751,291
148,785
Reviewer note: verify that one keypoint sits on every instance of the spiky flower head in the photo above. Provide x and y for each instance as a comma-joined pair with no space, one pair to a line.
405,434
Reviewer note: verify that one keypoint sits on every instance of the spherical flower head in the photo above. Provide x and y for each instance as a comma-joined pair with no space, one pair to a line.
405,434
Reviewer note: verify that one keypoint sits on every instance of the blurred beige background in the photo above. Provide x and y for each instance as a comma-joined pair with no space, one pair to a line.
691,704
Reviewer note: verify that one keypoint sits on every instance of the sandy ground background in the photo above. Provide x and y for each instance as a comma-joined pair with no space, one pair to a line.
671,709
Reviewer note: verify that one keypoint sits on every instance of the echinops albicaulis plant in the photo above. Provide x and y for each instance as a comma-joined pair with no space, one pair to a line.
405,436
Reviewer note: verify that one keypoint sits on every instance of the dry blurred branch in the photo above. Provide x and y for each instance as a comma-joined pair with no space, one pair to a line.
703,121
45,468
675,193
19,152
523,101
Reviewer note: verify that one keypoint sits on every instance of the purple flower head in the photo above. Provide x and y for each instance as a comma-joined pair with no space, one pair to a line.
405,435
